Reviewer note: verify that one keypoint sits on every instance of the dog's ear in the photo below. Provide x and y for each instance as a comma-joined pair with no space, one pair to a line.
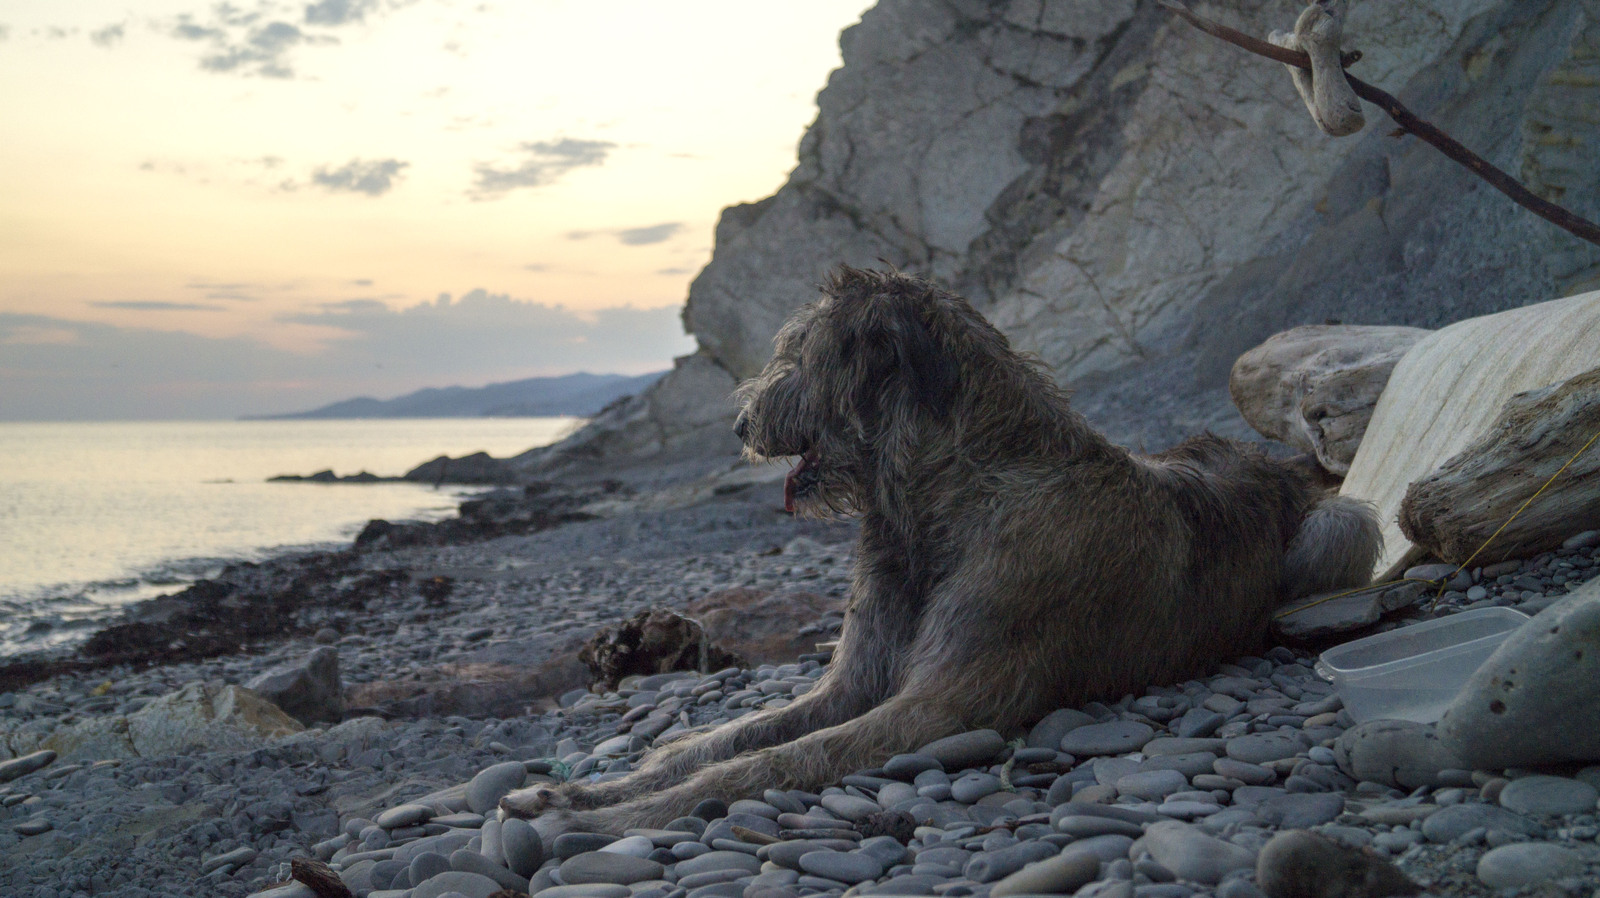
900,361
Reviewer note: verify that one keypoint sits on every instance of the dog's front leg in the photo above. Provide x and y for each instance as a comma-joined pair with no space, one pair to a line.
810,762
871,645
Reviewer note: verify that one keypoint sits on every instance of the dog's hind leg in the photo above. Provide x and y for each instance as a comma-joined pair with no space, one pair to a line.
873,641
1335,548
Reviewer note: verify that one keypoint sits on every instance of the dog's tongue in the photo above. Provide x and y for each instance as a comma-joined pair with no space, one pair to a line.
788,484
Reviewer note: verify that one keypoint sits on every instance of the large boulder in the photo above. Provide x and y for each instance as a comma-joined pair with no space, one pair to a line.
307,689
1138,203
200,717
1448,392
1536,701
1314,387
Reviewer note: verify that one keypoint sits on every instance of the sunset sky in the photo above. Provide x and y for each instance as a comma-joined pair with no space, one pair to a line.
209,210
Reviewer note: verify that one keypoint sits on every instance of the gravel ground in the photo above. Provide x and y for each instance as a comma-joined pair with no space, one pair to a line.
1168,794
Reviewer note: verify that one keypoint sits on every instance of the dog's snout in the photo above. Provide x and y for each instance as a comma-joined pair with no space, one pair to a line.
741,425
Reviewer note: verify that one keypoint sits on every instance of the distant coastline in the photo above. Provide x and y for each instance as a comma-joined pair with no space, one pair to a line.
580,395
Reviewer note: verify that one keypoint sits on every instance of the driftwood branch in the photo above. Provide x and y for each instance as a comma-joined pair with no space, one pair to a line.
1409,123
319,878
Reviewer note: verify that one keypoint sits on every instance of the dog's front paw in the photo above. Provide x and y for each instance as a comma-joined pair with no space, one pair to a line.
532,802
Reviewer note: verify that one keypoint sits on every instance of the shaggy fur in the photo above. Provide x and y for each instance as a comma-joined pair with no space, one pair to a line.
1011,560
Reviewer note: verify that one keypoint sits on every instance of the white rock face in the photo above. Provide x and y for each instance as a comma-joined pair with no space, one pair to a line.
1139,204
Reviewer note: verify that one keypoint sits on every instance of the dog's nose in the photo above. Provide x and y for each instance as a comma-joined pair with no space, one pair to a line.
741,426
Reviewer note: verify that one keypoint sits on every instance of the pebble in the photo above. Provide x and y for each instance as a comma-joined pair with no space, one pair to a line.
28,763
964,749
521,846
1525,863
1047,733
568,845
972,787
404,815
1549,795
850,807
32,827
845,866
1152,785
906,767
989,866
1301,810
1451,823
1115,738
1062,874
1192,855
1259,748
585,890
472,885
466,860
719,860
604,867
492,784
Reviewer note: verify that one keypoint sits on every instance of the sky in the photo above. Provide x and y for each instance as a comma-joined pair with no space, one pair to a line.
218,209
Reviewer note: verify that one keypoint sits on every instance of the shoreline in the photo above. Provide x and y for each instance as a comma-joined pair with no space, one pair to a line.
457,655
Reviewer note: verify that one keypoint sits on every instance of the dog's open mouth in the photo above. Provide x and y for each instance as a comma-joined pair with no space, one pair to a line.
801,479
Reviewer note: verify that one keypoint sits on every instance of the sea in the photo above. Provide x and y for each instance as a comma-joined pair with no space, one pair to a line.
96,515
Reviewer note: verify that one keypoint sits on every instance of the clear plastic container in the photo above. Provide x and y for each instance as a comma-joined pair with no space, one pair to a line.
1413,673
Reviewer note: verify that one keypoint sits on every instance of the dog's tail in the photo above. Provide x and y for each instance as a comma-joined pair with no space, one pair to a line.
1335,548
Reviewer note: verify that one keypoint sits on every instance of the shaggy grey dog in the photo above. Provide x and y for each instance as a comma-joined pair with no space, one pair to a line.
1011,560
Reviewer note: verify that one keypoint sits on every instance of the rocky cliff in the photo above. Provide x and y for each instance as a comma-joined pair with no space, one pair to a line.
1138,203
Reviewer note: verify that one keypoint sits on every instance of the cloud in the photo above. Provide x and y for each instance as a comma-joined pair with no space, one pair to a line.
544,162
246,41
373,178
109,36
140,305
645,236
339,12
59,369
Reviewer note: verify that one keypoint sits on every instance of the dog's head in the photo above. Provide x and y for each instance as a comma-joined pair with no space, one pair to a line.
854,377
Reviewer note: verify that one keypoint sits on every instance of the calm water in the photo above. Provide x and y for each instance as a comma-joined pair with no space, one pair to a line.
94,515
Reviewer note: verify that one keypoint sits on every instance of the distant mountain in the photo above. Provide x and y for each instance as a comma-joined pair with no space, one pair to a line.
581,395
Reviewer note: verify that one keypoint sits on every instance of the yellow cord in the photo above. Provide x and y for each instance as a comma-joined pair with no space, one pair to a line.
1444,581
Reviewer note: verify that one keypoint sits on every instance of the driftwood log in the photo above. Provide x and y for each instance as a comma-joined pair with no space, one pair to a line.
1446,393
319,878
1451,512
1327,94
1314,387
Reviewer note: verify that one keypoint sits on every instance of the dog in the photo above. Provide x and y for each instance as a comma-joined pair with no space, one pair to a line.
1011,560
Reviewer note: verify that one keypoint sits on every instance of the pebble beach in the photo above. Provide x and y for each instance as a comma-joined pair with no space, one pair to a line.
1167,794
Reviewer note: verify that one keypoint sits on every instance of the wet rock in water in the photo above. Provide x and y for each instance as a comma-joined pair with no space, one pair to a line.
1304,864
308,690
1396,753
652,642
1536,701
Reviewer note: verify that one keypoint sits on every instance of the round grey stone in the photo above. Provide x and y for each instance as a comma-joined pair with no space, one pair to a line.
1259,748
1193,855
472,885
573,844
1115,738
906,767
605,867
523,849
719,860
633,846
587,890
845,866
492,784
404,815
1152,785
1524,863
1047,733
965,749
1060,875
850,807
1300,810
426,866
1548,795
968,789
1449,824
468,861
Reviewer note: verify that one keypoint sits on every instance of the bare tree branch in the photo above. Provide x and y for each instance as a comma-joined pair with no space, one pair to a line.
1409,123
